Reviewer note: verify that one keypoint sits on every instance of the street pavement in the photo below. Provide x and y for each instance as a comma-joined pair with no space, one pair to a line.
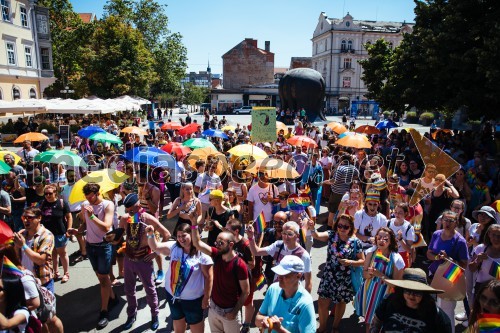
78,301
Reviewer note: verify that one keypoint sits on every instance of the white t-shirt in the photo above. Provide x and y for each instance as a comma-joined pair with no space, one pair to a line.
407,232
325,161
29,286
483,273
21,327
258,196
367,225
25,261
299,251
399,263
206,183
192,286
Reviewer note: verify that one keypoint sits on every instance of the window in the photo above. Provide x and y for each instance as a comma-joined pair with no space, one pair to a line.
347,63
368,43
16,94
32,93
27,53
11,53
343,45
346,82
391,45
6,10
24,17
316,66
317,48
349,45
44,51
1,95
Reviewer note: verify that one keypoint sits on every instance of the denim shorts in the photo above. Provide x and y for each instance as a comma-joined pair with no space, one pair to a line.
60,241
50,286
100,257
189,309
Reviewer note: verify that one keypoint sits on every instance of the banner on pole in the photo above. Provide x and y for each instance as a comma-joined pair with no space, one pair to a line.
263,124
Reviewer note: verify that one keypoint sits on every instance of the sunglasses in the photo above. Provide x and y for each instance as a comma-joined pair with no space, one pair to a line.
219,243
413,293
282,198
343,227
49,193
449,220
29,217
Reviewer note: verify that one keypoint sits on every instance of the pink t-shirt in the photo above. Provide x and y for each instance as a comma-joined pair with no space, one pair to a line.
94,233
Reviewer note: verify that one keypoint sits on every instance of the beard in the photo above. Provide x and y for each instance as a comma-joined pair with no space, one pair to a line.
224,250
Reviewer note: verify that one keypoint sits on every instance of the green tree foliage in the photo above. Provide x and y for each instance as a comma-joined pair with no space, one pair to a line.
194,94
450,60
118,62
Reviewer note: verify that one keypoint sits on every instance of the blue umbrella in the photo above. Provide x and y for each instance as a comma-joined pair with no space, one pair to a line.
89,130
386,124
146,155
346,134
215,133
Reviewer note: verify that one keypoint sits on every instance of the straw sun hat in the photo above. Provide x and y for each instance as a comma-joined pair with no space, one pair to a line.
414,279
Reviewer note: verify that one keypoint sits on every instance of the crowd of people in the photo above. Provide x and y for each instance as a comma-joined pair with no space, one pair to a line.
227,232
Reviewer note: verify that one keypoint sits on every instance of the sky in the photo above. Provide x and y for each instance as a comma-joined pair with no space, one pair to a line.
210,28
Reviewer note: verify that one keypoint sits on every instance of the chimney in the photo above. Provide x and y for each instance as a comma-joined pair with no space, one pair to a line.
267,46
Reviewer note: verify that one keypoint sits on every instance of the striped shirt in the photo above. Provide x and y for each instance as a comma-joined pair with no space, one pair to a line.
343,177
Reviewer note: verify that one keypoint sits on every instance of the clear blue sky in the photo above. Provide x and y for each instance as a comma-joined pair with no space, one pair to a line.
210,28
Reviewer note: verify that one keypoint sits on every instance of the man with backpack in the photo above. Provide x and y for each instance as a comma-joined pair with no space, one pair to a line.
228,294
36,244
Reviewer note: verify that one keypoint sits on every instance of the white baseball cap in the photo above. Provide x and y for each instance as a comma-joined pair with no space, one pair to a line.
289,264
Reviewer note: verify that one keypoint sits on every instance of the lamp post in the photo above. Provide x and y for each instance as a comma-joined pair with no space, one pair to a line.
66,91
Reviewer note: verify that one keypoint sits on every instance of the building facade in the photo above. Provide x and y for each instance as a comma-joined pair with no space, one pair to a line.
26,67
247,65
337,47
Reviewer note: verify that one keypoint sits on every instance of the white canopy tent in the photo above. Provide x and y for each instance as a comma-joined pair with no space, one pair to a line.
24,106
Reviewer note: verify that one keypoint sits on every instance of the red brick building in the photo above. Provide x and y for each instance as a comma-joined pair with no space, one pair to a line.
245,65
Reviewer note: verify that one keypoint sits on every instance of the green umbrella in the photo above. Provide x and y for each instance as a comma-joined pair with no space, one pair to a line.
4,168
198,143
105,137
61,156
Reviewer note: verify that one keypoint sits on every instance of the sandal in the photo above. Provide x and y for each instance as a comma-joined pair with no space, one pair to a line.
57,276
65,278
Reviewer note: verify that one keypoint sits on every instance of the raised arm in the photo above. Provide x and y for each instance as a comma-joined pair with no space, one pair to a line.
256,250
195,237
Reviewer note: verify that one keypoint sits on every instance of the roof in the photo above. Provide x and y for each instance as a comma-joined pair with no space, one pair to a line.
247,43
375,26
87,17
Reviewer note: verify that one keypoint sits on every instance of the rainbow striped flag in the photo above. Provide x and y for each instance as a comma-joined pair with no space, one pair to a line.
9,267
307,190
452,273
260,223
495,270
379,257
489,323
260,283
134,218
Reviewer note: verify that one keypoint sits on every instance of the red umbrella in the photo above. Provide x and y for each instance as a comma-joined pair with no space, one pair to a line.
6,234
367,129
177,148
171,126
189,129
301,140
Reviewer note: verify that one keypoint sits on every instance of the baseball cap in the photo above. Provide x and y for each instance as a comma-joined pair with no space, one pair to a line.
216,194
130,200
289,264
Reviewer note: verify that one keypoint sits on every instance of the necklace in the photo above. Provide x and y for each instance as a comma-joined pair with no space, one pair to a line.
344,250
134,237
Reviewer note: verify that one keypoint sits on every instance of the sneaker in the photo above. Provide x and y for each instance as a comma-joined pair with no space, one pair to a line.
461,316
128,324
103,320
160,277
154,323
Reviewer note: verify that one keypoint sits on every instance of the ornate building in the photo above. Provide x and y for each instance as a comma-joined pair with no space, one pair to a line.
26,67
337,47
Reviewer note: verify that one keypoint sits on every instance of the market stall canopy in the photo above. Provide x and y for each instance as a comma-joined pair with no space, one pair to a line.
24,105
134,99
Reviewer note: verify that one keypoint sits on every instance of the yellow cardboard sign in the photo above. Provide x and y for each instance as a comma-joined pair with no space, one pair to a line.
263,124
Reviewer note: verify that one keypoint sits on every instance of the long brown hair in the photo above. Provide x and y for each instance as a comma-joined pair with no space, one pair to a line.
393,243
186,228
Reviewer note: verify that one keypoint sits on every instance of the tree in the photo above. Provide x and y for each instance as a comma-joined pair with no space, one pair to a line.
118,62
194,94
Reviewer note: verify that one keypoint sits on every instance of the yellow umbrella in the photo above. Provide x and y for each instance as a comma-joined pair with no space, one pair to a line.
108,179
32,136
134,130
355,141
228,128
5,152
273,167
204,154
280,126
247,150
337,127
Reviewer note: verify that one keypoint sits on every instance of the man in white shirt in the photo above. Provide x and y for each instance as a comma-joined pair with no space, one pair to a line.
27,154
368,220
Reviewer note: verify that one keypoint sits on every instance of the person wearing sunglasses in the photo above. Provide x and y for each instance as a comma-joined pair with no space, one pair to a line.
447,244
411,308
344,251
56,216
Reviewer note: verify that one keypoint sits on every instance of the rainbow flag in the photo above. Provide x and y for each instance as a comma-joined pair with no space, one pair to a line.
9,268
260,282
495,270
452,273
298,203
489,323
307,190
134,218
379,257
260,223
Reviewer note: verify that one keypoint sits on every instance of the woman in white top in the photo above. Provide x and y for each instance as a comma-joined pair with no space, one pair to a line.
185,205
240,188
405,234
486,257
188,281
